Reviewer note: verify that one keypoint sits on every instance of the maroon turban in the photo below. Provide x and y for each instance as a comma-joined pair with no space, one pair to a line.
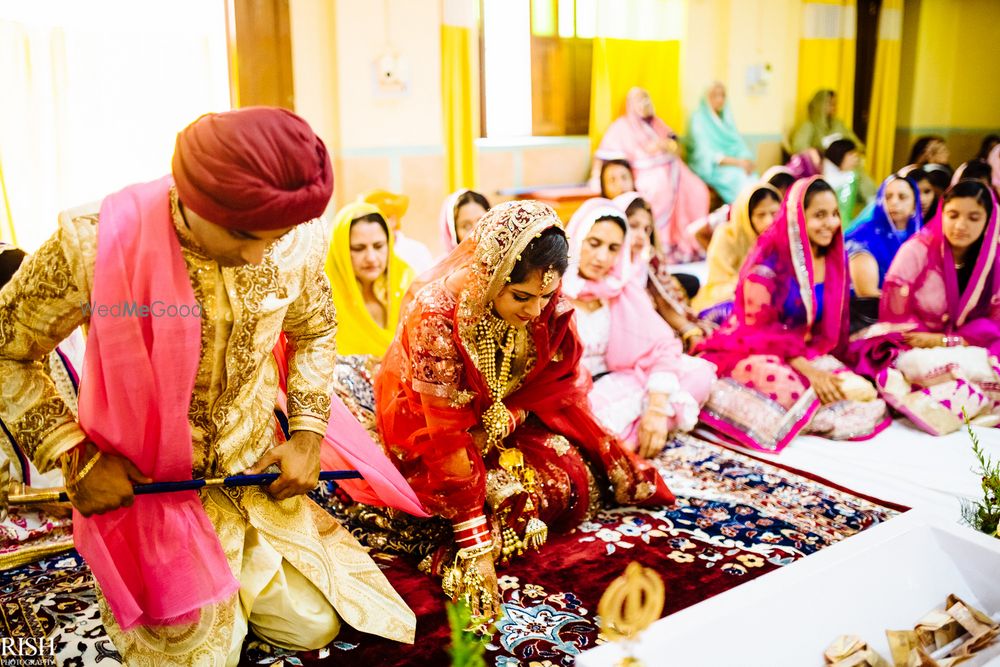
253,169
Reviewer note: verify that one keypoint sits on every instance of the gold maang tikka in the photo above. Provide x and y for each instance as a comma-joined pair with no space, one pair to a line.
550,276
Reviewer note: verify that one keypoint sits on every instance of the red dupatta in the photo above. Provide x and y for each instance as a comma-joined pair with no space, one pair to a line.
430,392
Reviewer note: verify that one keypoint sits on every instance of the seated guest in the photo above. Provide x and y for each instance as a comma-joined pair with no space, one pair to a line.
974,170
644,386
841,162
990,141
716,151
459,215
820,125
944,289
806,163
481,403
929,149
993,159
368,280
779,377
677,196
393,207
671,293
873,240
779,177
931,181
752,214
616,178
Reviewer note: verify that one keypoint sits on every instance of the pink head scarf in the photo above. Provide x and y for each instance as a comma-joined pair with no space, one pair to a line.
640,339
449,235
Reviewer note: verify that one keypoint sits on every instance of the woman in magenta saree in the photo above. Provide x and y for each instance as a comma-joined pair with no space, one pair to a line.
481,402
779,375
940,303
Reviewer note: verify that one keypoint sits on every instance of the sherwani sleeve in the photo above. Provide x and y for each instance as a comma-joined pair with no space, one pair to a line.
311,329
42,304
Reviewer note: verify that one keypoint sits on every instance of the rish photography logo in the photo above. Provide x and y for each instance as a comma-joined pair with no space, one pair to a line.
27,651
136,309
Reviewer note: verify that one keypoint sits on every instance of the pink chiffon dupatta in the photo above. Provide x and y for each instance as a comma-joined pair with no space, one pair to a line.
348,446
159,561
640,339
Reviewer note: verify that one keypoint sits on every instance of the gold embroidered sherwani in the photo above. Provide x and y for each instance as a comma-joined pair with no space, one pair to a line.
232,422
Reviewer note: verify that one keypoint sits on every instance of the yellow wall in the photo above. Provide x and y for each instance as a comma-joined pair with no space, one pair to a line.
723,39
948,83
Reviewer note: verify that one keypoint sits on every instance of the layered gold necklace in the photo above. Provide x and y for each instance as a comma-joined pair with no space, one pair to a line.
495,337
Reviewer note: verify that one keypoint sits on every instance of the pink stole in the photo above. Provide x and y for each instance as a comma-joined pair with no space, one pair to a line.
347,446
159,561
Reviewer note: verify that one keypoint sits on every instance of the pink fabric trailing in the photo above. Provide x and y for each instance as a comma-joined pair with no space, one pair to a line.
159,561
921,286
347,446
775,310
640,342
678,197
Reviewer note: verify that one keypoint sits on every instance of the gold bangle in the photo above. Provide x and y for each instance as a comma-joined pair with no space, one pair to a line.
473,552
690,333
85,471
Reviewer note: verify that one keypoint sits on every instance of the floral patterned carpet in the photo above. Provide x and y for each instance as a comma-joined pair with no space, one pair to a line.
735,519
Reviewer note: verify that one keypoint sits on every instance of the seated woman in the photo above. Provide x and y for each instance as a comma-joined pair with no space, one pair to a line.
820,125
671,293
779,377
779,177
368,280
974,170
459,215
616,178
481,404
840,169
716,151
677,196
644,387
931,181
873,240
929,149
752,214
943,291
393,207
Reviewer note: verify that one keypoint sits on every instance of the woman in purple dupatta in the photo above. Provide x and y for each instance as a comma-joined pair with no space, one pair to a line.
943,292
778,374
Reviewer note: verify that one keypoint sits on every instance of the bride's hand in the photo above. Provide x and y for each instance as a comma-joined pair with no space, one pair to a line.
480,588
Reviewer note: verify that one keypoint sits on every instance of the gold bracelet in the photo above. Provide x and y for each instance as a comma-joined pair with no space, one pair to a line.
86,470
473,552
690,333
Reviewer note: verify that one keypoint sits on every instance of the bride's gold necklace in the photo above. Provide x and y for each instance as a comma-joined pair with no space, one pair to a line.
494,335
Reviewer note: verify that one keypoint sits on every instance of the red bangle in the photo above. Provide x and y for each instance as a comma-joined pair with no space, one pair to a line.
472,533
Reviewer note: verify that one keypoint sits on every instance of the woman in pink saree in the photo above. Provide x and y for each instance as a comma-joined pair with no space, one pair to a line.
941,303
677,195
644,386
779,375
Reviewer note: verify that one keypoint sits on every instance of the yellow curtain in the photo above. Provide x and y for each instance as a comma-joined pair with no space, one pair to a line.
826,55
460,91
637,44
885,91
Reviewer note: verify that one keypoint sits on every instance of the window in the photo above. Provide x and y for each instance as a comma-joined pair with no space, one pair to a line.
536,66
